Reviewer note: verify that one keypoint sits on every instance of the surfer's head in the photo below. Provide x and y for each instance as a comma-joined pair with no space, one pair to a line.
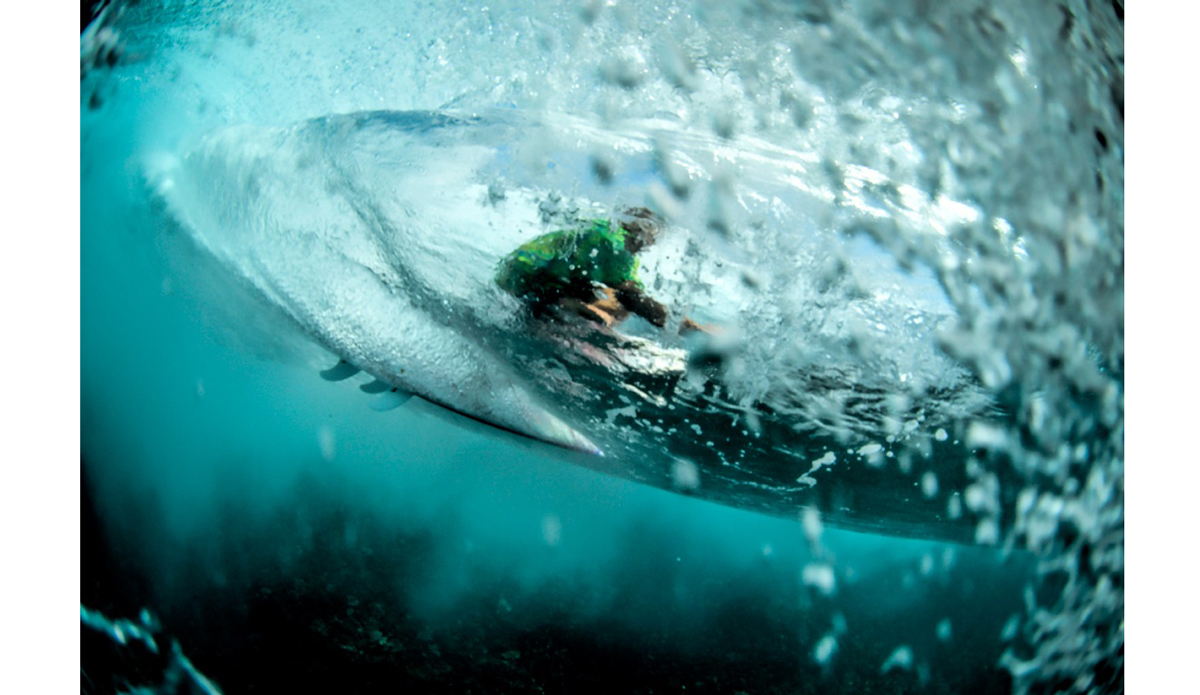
641,228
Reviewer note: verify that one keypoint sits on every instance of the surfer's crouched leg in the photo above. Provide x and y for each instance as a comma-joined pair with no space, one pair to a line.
542,310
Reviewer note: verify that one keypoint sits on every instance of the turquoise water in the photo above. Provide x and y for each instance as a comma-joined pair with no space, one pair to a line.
289,537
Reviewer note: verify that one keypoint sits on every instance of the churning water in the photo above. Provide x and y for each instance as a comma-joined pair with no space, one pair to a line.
897,466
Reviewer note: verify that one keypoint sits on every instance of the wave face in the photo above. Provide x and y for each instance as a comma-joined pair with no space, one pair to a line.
379,234
907,227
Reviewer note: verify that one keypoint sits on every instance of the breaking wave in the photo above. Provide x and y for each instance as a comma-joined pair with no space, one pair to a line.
908,226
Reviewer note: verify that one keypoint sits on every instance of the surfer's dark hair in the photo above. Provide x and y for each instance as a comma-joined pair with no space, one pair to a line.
641,224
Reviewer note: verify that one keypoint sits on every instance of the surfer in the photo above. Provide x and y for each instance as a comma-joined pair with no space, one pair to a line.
589,270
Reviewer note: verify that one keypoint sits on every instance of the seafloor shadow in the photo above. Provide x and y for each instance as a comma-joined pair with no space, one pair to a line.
323,597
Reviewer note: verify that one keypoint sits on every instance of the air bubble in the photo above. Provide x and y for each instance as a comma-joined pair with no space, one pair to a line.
819,576
901,658
929,484
551,530
810,520
943,630
825,649
685,475
327,442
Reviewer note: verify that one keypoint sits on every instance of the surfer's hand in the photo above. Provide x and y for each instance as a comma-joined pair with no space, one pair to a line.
689,326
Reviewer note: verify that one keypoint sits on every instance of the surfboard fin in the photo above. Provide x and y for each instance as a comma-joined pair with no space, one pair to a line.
376,386
390,400
338,372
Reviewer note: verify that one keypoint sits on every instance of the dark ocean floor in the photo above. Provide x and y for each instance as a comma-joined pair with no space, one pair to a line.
327,611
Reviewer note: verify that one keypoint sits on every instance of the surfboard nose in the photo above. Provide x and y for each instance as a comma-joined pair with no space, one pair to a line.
549,428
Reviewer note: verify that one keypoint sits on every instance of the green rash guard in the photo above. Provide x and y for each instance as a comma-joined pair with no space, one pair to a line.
569,263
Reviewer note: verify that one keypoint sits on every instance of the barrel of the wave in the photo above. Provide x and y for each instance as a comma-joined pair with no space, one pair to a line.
321,255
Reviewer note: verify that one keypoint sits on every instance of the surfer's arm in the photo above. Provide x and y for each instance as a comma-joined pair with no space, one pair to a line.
636,300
